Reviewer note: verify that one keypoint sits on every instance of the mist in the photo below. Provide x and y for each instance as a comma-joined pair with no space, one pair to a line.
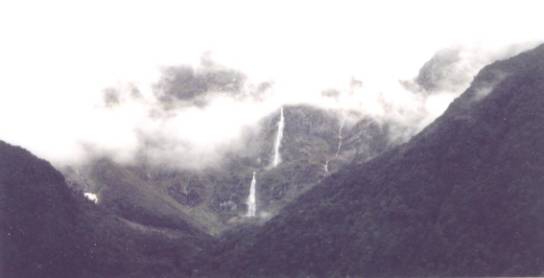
185,84
191,116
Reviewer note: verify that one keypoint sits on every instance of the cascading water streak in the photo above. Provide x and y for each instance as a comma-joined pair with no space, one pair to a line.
340,136
251,199
279,136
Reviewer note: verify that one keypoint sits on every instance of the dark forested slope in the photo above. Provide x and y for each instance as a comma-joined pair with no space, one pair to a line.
46,230
37,217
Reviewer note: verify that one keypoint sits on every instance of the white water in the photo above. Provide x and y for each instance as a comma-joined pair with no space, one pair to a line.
91,196
340,136
326,166
279,136
251,199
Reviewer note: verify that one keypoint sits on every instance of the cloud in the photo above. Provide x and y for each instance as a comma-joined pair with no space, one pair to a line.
53,102
192,117
111,97
445,71
185,85
453,68
137,124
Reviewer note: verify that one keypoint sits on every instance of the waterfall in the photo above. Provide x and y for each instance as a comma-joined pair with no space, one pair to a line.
326,166
340,136
251,199
279,136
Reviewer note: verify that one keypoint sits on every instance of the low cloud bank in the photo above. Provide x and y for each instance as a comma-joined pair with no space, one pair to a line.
191,116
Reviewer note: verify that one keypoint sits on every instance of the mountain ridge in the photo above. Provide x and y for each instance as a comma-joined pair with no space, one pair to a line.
454,200
48,230
464,197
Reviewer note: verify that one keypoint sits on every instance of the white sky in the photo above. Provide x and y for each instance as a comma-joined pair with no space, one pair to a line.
57,56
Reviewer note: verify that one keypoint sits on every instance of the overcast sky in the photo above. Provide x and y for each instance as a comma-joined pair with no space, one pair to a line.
56,57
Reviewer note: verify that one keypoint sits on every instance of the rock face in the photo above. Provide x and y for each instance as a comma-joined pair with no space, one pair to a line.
47,230
462,198
315,144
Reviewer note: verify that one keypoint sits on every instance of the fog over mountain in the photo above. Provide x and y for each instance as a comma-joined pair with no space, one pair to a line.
63,65
202,112
281,139
208,129
461,198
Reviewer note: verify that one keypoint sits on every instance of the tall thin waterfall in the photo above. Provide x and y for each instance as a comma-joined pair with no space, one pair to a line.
279,136
340,136
251,199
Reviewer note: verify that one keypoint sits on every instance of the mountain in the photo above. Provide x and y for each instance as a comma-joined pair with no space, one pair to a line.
315,144
48,230
462,198
35,209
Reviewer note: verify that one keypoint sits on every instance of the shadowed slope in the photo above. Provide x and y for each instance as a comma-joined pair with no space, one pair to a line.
46,230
